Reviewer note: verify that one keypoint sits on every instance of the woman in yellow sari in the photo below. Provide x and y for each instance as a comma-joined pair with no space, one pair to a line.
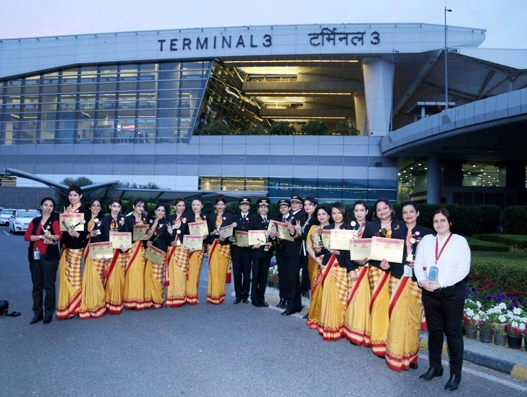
73,243
337,274
195,258
134,275
357,319
406,306
93,297
219,254
314,248
177,257
384,225
154,281
115,267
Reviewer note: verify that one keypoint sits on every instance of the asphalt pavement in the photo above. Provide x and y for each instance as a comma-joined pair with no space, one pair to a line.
202,350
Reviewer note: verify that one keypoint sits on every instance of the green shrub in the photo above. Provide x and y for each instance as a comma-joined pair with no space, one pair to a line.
512,240
515,219
480,245
495,272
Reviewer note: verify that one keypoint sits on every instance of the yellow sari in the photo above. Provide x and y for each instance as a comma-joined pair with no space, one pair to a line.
357,318
194,268
176,276
134,280
114,287
93,296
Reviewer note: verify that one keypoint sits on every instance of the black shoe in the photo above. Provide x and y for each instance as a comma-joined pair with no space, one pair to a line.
245,300
281,304
287,312
237,300
264,304
432,373
48,318
305,316
36,318
453,382
257,304
414,365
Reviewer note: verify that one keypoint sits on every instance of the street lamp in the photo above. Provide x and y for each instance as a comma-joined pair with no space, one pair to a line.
446,63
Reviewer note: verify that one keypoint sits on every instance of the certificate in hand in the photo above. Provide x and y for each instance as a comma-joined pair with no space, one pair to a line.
326,234
121,238
198,228
227,231
340,239
102,250
282,230
390,249
242,238
360,248
140,232
155,255
195,242
72,221
257,237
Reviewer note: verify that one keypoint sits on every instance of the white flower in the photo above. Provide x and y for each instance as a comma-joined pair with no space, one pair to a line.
517,310
477,317
478,303
502,306
522,327
502,318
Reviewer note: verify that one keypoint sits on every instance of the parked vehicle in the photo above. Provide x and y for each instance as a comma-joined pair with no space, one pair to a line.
5,215
19,221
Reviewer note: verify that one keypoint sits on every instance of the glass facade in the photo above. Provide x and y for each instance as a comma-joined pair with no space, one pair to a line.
142,103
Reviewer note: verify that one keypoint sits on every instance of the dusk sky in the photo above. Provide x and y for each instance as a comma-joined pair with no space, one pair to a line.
505,20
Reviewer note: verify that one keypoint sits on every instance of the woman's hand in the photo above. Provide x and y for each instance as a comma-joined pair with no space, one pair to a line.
335,252
353,275
385,265
361,262
73,233
122,248
430,286
170,230
149,244
150,232
222,238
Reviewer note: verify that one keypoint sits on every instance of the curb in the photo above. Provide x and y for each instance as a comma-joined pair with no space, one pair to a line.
506,367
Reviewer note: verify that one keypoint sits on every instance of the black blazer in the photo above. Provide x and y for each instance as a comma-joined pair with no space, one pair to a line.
77,243
161,238
306,225
293,248
183,227
106,226
97,238
129,222
243,226
344,257
259,224
399,231
227,219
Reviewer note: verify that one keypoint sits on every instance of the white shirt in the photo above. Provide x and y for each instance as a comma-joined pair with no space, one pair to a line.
453,265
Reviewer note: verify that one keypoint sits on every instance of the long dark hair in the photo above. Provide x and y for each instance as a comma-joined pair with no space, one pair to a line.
387,202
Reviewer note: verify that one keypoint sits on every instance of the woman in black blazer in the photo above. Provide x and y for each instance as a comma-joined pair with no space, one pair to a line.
384,225
219,253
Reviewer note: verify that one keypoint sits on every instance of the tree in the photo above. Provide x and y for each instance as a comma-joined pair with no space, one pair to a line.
282,128
315,128
257,129
216,128
345,127
80,181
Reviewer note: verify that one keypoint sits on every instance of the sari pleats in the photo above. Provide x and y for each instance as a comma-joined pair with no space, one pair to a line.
219,259
177,275
70,282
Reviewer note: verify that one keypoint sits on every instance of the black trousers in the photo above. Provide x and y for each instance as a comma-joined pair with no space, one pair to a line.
282,274
444,313
44,276
305,283
241,271
259,278
293,291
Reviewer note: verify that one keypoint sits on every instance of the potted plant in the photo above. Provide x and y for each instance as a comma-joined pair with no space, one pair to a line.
516,327
272,276
486,329
498,318
471,318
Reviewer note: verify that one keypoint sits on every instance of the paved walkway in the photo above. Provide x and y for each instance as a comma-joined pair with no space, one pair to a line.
489,355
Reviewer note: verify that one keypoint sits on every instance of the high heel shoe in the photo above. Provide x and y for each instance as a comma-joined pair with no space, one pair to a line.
414,365
453,382
432,373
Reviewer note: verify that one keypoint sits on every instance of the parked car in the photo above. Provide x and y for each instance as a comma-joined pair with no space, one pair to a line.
5,215
19,221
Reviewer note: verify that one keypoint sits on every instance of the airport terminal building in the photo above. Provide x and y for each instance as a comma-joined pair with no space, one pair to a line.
136,107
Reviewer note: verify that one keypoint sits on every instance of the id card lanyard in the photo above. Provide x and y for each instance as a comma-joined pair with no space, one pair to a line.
433,273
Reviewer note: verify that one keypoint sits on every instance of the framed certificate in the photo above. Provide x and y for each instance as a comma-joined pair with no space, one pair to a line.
390,249
227,231
198,228
141,232
121,238
102,250
257,237
242,238
72,221
340,239
155,255
360,248
282,230
195,242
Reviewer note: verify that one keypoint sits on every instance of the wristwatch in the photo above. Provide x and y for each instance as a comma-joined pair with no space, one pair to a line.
40,237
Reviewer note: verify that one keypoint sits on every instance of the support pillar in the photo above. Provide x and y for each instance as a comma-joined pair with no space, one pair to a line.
378,85
360,113
433,176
